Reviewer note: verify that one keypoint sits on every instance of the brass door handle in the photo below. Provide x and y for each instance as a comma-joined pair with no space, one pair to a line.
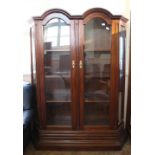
80,64
73,64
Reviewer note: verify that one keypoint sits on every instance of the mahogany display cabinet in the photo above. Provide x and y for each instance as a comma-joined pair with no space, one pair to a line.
78,69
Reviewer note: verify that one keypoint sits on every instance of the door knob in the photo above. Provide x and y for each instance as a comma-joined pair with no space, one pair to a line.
80,64
73,64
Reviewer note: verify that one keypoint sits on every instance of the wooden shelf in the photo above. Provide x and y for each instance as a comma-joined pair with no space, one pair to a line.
56,50
57,76
65,48
106,102
59,96
96,77
96,116
98,50
57,101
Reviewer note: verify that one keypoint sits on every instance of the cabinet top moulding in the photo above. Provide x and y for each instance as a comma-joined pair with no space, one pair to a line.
84,15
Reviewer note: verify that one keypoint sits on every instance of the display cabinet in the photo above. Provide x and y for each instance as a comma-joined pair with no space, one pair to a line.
78,68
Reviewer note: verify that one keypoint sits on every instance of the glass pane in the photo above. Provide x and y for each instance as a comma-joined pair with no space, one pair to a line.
58,113
33,55
97,59
57,72
97,35
121,73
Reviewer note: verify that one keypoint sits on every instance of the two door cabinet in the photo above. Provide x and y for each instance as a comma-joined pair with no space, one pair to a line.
78,69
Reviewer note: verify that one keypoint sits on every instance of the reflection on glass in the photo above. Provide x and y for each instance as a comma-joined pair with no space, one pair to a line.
58,113
64,39
56,34
57,72
119,106
121,73
97,64
97,35
33,56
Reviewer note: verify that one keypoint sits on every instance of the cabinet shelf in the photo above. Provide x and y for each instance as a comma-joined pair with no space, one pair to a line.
56,50
97,101
58,76
97,77
58,95
57,101
105,51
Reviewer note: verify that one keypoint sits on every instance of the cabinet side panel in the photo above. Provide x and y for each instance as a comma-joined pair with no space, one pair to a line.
40,73
114,74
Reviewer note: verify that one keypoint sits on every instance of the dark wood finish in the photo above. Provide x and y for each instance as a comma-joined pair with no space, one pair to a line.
101,10
82,140
97,14
105,13
40,73
74,82
81,73
114,74
77,136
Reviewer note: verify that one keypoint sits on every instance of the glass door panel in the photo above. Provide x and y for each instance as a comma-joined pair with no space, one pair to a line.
97,64
57,67
121,73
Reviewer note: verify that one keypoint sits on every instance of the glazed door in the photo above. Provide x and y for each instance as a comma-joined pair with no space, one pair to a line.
95,70
59,65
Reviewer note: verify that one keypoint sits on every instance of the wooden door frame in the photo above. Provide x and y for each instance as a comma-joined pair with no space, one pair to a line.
40,84
87,17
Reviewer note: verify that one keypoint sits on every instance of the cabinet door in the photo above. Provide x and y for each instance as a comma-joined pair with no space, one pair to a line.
58,72
96,73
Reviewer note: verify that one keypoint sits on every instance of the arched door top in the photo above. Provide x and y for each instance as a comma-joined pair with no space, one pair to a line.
86,15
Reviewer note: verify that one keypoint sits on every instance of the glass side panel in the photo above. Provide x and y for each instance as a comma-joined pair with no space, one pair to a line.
57,67
97,66
33,56
121,73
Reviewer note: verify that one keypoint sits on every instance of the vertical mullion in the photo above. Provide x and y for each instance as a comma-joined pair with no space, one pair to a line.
81,73
73,77
77,91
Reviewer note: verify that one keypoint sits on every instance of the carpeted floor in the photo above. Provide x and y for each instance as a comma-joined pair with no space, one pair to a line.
126,150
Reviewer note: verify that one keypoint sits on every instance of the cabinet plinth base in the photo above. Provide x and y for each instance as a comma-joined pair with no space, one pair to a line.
81,140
